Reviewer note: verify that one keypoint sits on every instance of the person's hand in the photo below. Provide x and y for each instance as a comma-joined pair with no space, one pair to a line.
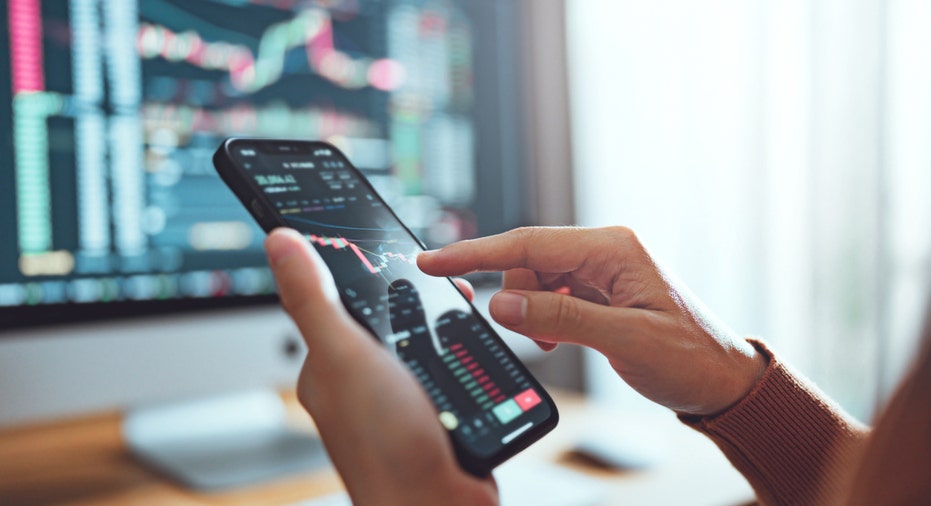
600,288
376,421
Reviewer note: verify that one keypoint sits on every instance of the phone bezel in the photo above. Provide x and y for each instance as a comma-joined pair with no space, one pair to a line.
250,195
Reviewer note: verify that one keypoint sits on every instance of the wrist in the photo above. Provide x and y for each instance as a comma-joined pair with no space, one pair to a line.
754,370
749,366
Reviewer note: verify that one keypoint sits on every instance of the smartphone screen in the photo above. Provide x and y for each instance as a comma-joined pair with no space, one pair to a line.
483,395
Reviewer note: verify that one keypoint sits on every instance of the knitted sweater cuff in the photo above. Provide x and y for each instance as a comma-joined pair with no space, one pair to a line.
785,437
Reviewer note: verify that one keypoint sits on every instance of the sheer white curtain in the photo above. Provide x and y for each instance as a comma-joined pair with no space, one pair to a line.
776,155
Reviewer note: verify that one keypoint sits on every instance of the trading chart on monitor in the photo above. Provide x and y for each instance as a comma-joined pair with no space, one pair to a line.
113,108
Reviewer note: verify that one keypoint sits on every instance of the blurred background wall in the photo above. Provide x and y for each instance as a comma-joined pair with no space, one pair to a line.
776,157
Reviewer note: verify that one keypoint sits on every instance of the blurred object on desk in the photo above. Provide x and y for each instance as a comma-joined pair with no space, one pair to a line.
86,462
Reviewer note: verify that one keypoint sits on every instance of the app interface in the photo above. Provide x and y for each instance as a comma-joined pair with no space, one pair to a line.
481,394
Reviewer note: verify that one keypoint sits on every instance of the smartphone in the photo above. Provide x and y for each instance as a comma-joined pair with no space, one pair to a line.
489,403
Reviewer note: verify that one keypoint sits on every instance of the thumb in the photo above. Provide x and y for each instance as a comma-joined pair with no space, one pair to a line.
309,295
555,317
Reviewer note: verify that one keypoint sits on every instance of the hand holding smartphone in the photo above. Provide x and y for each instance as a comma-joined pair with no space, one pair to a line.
488,402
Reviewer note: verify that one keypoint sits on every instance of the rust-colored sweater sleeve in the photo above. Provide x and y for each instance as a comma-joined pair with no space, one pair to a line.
792,444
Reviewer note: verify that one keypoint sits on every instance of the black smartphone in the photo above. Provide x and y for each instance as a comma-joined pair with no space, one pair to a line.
490,404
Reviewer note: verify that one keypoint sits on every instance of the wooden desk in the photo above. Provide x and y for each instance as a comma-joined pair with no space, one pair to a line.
85,462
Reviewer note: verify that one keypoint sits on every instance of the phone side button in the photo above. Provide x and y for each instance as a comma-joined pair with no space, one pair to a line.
257,208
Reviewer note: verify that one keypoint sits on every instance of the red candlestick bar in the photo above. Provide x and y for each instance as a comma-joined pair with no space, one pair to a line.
26,45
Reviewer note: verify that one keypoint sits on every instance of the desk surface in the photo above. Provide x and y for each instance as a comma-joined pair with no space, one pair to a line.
85,462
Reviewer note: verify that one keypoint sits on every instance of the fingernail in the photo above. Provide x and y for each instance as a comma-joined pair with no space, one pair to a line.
509,307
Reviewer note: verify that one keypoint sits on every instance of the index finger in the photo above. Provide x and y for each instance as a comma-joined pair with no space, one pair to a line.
542,249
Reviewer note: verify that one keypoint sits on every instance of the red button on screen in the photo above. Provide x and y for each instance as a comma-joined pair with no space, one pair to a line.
527,399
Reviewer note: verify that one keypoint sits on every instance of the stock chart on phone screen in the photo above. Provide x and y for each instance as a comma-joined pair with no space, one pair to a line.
480,393
113,108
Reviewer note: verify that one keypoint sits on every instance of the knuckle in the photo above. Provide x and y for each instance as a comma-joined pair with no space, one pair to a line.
524,234
567,314
522,231
305,390
622,233
303,395
522,241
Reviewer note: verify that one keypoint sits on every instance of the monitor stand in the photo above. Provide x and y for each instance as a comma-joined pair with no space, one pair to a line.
222,442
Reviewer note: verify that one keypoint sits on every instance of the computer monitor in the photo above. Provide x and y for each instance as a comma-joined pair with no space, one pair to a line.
129,275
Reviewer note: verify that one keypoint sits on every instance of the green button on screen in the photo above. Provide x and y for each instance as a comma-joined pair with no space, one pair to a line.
507,411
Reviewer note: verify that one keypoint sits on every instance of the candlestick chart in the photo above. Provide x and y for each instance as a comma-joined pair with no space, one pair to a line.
116,106
375,255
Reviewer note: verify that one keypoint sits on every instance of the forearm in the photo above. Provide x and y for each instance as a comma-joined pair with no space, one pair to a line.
792,444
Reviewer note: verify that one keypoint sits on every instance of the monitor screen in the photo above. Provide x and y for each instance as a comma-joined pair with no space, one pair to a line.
110,111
